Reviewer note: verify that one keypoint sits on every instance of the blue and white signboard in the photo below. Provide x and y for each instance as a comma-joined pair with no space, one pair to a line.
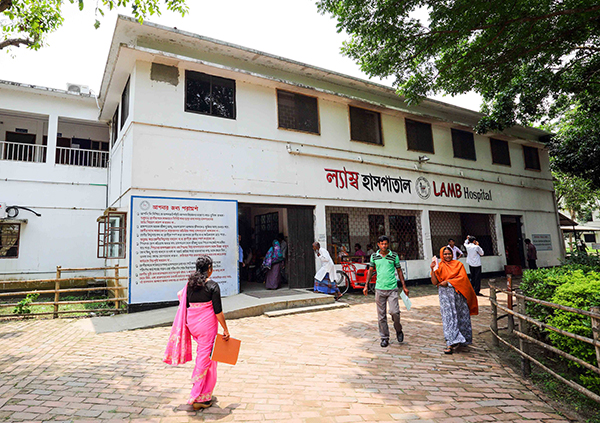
166,237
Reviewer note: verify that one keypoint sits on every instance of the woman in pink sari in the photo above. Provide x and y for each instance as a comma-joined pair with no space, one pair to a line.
199,311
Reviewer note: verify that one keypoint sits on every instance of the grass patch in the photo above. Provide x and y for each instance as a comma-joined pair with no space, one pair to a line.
27,308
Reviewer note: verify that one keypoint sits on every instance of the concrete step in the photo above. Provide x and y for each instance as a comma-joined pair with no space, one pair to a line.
310,309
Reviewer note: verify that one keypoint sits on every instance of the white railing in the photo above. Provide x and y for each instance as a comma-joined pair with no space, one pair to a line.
22,152
81,157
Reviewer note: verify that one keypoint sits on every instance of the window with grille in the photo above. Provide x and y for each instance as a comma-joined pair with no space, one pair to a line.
111,235
340,231
446,225
266,227
404,237
9,240
376,228
125,104
297,111
419,136
365,125
209,95
500,153
463,144
532,158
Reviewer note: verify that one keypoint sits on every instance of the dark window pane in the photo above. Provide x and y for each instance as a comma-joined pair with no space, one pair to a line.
297,111
340,231
125,104
532,158
209,95
500,153
376,228
9,240
418,136
115,126
404,238
365,125
463,144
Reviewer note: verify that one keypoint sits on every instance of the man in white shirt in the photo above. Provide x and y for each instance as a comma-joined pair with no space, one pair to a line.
456,253
325,277
474,253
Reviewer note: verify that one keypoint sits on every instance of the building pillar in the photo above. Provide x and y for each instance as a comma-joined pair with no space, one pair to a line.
52,135
426,236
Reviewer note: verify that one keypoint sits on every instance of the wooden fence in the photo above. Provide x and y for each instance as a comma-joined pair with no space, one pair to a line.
525,339
112,285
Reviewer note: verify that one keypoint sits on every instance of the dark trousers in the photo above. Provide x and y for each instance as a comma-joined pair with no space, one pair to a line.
476,278
531,263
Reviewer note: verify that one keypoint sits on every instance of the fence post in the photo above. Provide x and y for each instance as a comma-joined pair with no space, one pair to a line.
523,345
596,331
56,291
494,323
117,292
509,304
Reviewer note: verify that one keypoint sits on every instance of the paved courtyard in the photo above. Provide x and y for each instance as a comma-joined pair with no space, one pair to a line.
317,367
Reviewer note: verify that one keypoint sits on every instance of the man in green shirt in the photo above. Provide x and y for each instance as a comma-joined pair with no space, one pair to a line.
386,263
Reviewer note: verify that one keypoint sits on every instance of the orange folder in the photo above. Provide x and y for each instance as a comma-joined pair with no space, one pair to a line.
225,351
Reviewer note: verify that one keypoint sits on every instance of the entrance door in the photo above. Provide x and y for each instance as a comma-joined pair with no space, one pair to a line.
513,240
301,259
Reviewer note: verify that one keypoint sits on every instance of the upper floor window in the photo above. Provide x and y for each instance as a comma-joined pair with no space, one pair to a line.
114,126
365,125
9,240
209,95
500,153
125,104
297,111
463,144
419,136
532,158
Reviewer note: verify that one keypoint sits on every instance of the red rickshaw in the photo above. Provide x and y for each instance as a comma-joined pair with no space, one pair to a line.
350,276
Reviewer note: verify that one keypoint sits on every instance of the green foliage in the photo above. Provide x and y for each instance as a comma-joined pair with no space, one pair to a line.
27,22
23,307
575,194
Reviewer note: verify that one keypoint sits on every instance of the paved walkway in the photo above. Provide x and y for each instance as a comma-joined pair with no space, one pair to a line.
318,367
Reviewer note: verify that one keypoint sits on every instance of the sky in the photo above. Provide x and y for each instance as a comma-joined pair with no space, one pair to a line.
294,29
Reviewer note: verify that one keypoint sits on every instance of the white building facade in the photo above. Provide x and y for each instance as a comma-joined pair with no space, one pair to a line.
209,140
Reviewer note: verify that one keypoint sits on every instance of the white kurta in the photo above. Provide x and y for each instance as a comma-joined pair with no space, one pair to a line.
327,265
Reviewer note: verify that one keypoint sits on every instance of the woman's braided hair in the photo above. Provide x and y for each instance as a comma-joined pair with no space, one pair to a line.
198,278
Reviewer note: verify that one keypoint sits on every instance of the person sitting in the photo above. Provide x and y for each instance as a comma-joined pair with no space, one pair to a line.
370,250
359,253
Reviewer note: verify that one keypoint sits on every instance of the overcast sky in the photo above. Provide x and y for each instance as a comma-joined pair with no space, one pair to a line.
293,29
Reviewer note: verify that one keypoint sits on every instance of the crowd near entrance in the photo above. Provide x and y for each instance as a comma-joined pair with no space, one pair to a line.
292,229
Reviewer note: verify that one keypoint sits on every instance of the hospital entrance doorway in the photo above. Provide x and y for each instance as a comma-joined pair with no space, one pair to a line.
513,240
293,229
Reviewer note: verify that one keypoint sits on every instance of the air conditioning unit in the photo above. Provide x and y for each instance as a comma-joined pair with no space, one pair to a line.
3,214
78,89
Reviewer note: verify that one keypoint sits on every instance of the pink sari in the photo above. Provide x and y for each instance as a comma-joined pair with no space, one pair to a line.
200,322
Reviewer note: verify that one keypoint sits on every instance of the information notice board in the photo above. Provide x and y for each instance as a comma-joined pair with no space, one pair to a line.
166,237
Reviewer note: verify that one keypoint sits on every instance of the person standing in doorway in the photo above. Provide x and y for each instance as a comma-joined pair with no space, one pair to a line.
387,264
474,253
456,253
325,276
531,254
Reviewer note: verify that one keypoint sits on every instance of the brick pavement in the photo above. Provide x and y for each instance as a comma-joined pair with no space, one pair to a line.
318,367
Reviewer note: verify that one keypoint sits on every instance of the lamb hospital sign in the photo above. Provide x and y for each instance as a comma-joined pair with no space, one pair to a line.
346,179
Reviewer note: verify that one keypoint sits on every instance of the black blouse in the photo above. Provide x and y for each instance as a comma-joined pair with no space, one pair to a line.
209,292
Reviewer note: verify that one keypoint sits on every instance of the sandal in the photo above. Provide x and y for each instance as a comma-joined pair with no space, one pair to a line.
337,297
201,405
448,350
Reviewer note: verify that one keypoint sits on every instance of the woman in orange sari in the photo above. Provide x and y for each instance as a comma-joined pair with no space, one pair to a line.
458,301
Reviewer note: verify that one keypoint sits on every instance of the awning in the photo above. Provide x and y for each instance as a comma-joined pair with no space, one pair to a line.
579,228
566,220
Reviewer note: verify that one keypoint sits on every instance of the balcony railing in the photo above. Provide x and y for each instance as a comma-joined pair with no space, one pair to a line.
22,152
81,157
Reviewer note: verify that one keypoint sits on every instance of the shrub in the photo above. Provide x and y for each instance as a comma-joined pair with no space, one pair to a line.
23,306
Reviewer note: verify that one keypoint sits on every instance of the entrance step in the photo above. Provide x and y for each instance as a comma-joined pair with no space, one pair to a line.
310,309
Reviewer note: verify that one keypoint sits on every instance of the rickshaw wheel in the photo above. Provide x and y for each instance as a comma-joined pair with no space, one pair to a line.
372,288
343,281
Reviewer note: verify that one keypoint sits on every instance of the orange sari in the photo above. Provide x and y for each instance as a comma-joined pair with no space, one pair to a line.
454,272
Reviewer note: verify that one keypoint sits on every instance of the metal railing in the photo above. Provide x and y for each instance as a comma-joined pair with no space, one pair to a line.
22,152
81,157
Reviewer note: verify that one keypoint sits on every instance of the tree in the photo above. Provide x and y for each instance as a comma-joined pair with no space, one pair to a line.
575,195
27,22
532,61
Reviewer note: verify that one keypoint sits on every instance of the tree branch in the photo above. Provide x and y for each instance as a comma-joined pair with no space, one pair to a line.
5,5
16,42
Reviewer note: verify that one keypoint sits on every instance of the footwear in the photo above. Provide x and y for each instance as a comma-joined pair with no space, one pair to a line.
479,294
401,336
338,296
384,343
448,350
201,405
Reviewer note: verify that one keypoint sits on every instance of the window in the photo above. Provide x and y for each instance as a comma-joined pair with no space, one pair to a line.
125,104
340,234
365,125
446,225
111,235
418,136
297,111
266,227
500,153
532,158
376,228
463,144
9,240
404,238
209,95
589,237
115,126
